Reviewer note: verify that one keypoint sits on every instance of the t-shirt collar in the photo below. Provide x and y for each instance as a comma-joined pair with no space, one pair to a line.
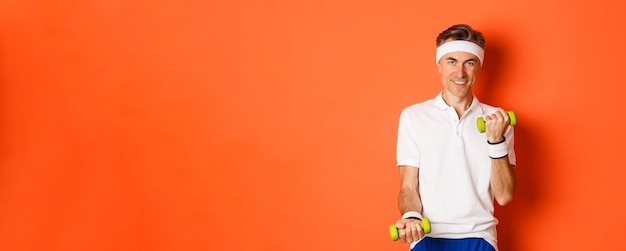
441,104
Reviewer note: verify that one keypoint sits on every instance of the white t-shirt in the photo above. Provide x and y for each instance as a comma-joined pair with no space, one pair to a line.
454,167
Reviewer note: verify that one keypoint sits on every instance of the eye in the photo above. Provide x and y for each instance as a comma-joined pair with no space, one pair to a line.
451,62
470,63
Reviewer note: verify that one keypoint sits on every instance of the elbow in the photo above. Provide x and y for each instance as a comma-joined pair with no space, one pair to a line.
504,199
505,196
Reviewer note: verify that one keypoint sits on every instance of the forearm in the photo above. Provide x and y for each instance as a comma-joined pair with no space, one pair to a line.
502,180
409,200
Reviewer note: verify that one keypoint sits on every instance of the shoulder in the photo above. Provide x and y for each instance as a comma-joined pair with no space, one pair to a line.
421,107
487,108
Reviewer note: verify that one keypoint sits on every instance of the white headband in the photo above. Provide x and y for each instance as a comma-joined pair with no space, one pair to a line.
460,45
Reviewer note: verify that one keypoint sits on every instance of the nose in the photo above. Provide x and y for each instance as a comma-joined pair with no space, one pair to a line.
460,71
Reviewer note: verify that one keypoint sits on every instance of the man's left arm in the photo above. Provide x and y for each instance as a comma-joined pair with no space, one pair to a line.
502,180
502,172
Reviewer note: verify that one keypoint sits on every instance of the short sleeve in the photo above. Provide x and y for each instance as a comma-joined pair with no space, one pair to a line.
407,151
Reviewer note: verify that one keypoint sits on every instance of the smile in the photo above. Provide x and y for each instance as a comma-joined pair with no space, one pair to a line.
462,82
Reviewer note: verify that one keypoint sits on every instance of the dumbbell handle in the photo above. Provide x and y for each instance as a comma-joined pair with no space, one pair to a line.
480,122
394,232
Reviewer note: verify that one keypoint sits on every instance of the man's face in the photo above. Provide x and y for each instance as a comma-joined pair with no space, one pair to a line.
458,72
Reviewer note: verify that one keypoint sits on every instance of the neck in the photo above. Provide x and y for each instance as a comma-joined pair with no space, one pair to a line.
460,104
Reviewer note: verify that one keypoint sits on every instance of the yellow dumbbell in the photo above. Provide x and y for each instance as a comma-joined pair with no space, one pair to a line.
480,122
393,230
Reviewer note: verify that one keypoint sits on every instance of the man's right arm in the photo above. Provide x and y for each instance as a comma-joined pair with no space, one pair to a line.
409,200
409,197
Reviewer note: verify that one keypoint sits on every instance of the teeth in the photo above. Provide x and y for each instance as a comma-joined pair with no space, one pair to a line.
459,82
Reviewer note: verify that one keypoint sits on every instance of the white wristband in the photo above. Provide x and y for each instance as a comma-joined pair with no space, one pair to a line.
499,150
412,214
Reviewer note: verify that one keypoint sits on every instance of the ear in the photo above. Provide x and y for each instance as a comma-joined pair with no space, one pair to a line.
439,68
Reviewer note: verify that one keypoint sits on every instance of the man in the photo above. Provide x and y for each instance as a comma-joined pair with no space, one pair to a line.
450,172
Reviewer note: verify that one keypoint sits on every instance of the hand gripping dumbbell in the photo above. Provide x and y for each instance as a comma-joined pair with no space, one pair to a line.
393,230
480,122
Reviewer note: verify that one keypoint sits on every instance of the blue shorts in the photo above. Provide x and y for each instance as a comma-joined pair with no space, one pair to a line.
441,244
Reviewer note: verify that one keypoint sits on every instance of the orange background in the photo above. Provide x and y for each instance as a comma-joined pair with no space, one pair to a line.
271,125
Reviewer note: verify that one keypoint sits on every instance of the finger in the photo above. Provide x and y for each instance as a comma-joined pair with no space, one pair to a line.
500,114
499,117
402,235
492,117
505,116
418,232
409,232
400,225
